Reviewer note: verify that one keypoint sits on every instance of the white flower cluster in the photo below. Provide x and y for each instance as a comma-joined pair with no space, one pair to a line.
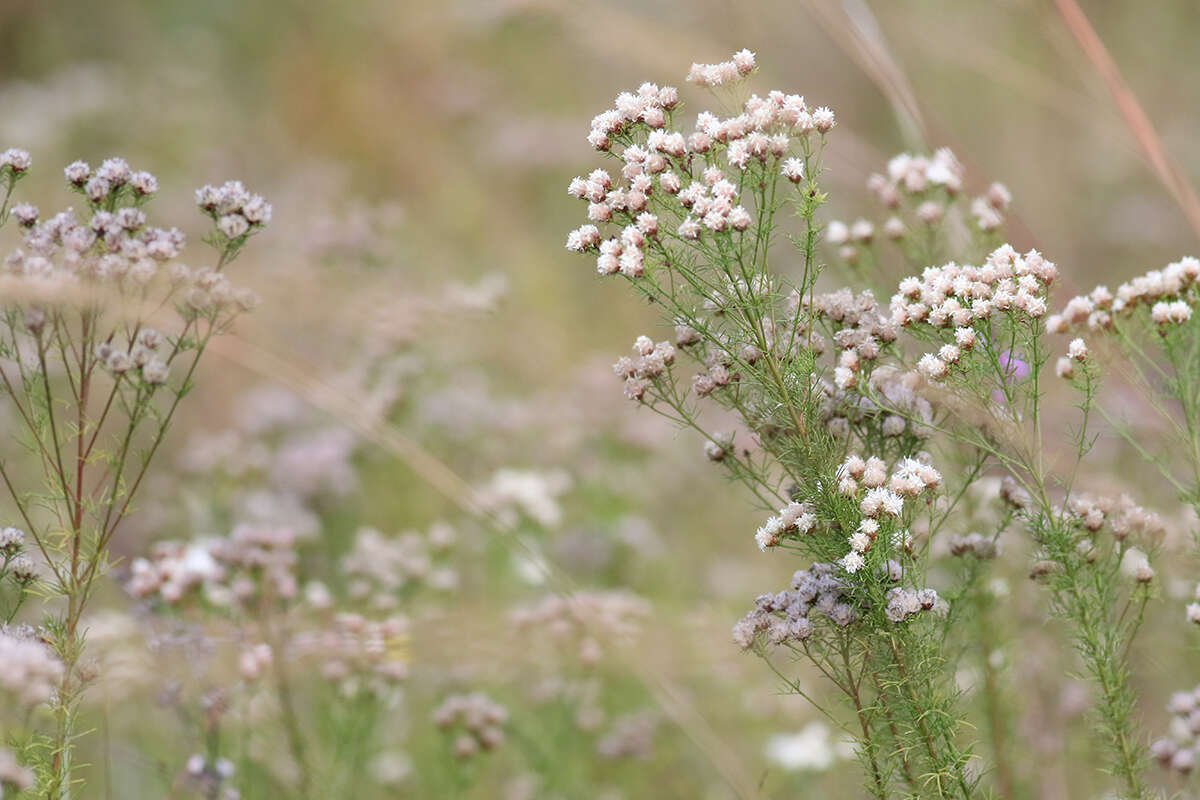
649,105
920,188
716,376
797,518
252,562
859,330
650,360
911,477
716,448
1169,294
1179,750
511,493
682,176
1192,611
965,298
883,498
914,175
1135,564
879,501
739,66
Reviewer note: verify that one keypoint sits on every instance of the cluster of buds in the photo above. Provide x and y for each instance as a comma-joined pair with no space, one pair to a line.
237,213
719,446
255,660
1167,294
1013,495
14,165
788,615
915,175
259,562
116,248
1134,563
1123,516
141,359
110,184
903,603
480,719
13,563
649,361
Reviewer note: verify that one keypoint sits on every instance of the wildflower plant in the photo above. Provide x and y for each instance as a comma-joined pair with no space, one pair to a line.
695,221
842,401
102,333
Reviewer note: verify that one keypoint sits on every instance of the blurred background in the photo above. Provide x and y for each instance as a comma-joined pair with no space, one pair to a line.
417,155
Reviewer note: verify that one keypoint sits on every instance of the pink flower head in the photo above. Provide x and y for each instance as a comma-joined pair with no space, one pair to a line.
1015,369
